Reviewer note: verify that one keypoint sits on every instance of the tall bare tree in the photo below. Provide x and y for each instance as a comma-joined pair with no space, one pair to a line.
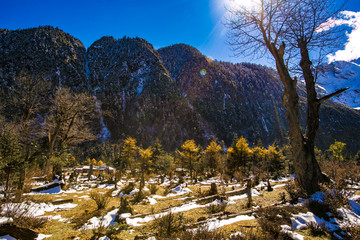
290,31
68,121
22,103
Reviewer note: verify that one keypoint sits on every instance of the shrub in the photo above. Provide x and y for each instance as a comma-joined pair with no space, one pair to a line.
169,225
317,230
318,208
294,192
200,234
101,199
270,219
124,206
166,190
138,197
128,188
23,214
213,189
153,188
215,208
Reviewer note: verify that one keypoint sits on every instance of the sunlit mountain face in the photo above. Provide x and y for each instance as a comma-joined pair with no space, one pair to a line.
338,75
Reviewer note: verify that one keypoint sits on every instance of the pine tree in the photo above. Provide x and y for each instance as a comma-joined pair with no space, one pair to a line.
157,153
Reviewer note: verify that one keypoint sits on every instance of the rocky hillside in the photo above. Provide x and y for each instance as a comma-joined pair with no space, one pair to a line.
46,51
232,98
138,96
246,99
173,94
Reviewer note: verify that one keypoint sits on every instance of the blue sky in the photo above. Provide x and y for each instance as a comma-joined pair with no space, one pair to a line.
162,22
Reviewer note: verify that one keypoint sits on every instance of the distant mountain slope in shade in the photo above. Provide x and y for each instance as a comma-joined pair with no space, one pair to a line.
172,94
138,94
47,51
246,99
339,75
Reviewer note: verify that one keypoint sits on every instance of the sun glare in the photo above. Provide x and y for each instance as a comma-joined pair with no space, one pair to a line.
233,4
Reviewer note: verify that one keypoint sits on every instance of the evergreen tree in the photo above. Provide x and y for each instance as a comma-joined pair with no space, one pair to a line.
157,153
11,159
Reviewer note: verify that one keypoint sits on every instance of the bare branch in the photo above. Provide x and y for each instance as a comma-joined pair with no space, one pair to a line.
323,99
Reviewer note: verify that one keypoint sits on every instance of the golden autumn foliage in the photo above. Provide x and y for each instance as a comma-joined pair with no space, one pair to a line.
190,154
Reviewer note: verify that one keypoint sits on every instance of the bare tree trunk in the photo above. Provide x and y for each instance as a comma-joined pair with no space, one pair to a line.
307,170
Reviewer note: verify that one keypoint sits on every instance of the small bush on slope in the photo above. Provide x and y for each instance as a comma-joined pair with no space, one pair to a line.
101,199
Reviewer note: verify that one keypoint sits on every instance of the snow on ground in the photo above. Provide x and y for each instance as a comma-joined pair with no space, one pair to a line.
85,197
279,185
34,209
42,236
179,190
4,220
130,194
106,186
152,201
7,237
104,238
105,221
59,218
287,229
350,216
302,220
232,199
213,223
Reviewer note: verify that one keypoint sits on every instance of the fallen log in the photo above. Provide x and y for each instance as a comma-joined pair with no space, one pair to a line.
144,236
62,201
45,187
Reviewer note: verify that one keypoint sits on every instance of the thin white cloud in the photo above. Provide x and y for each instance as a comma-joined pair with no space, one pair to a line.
352,47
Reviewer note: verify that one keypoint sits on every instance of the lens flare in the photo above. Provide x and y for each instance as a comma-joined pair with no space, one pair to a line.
202,72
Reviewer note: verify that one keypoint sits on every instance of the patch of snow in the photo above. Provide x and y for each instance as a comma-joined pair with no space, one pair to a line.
123,100
53,190
287,229
105,133
181,190
104,238
34,209
7,237
214,223
85,197
264,124
42,236
355,207
152,201
4,220
59,218
237,235
105,221
140,87
302,220
232,199
59,74
279,185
